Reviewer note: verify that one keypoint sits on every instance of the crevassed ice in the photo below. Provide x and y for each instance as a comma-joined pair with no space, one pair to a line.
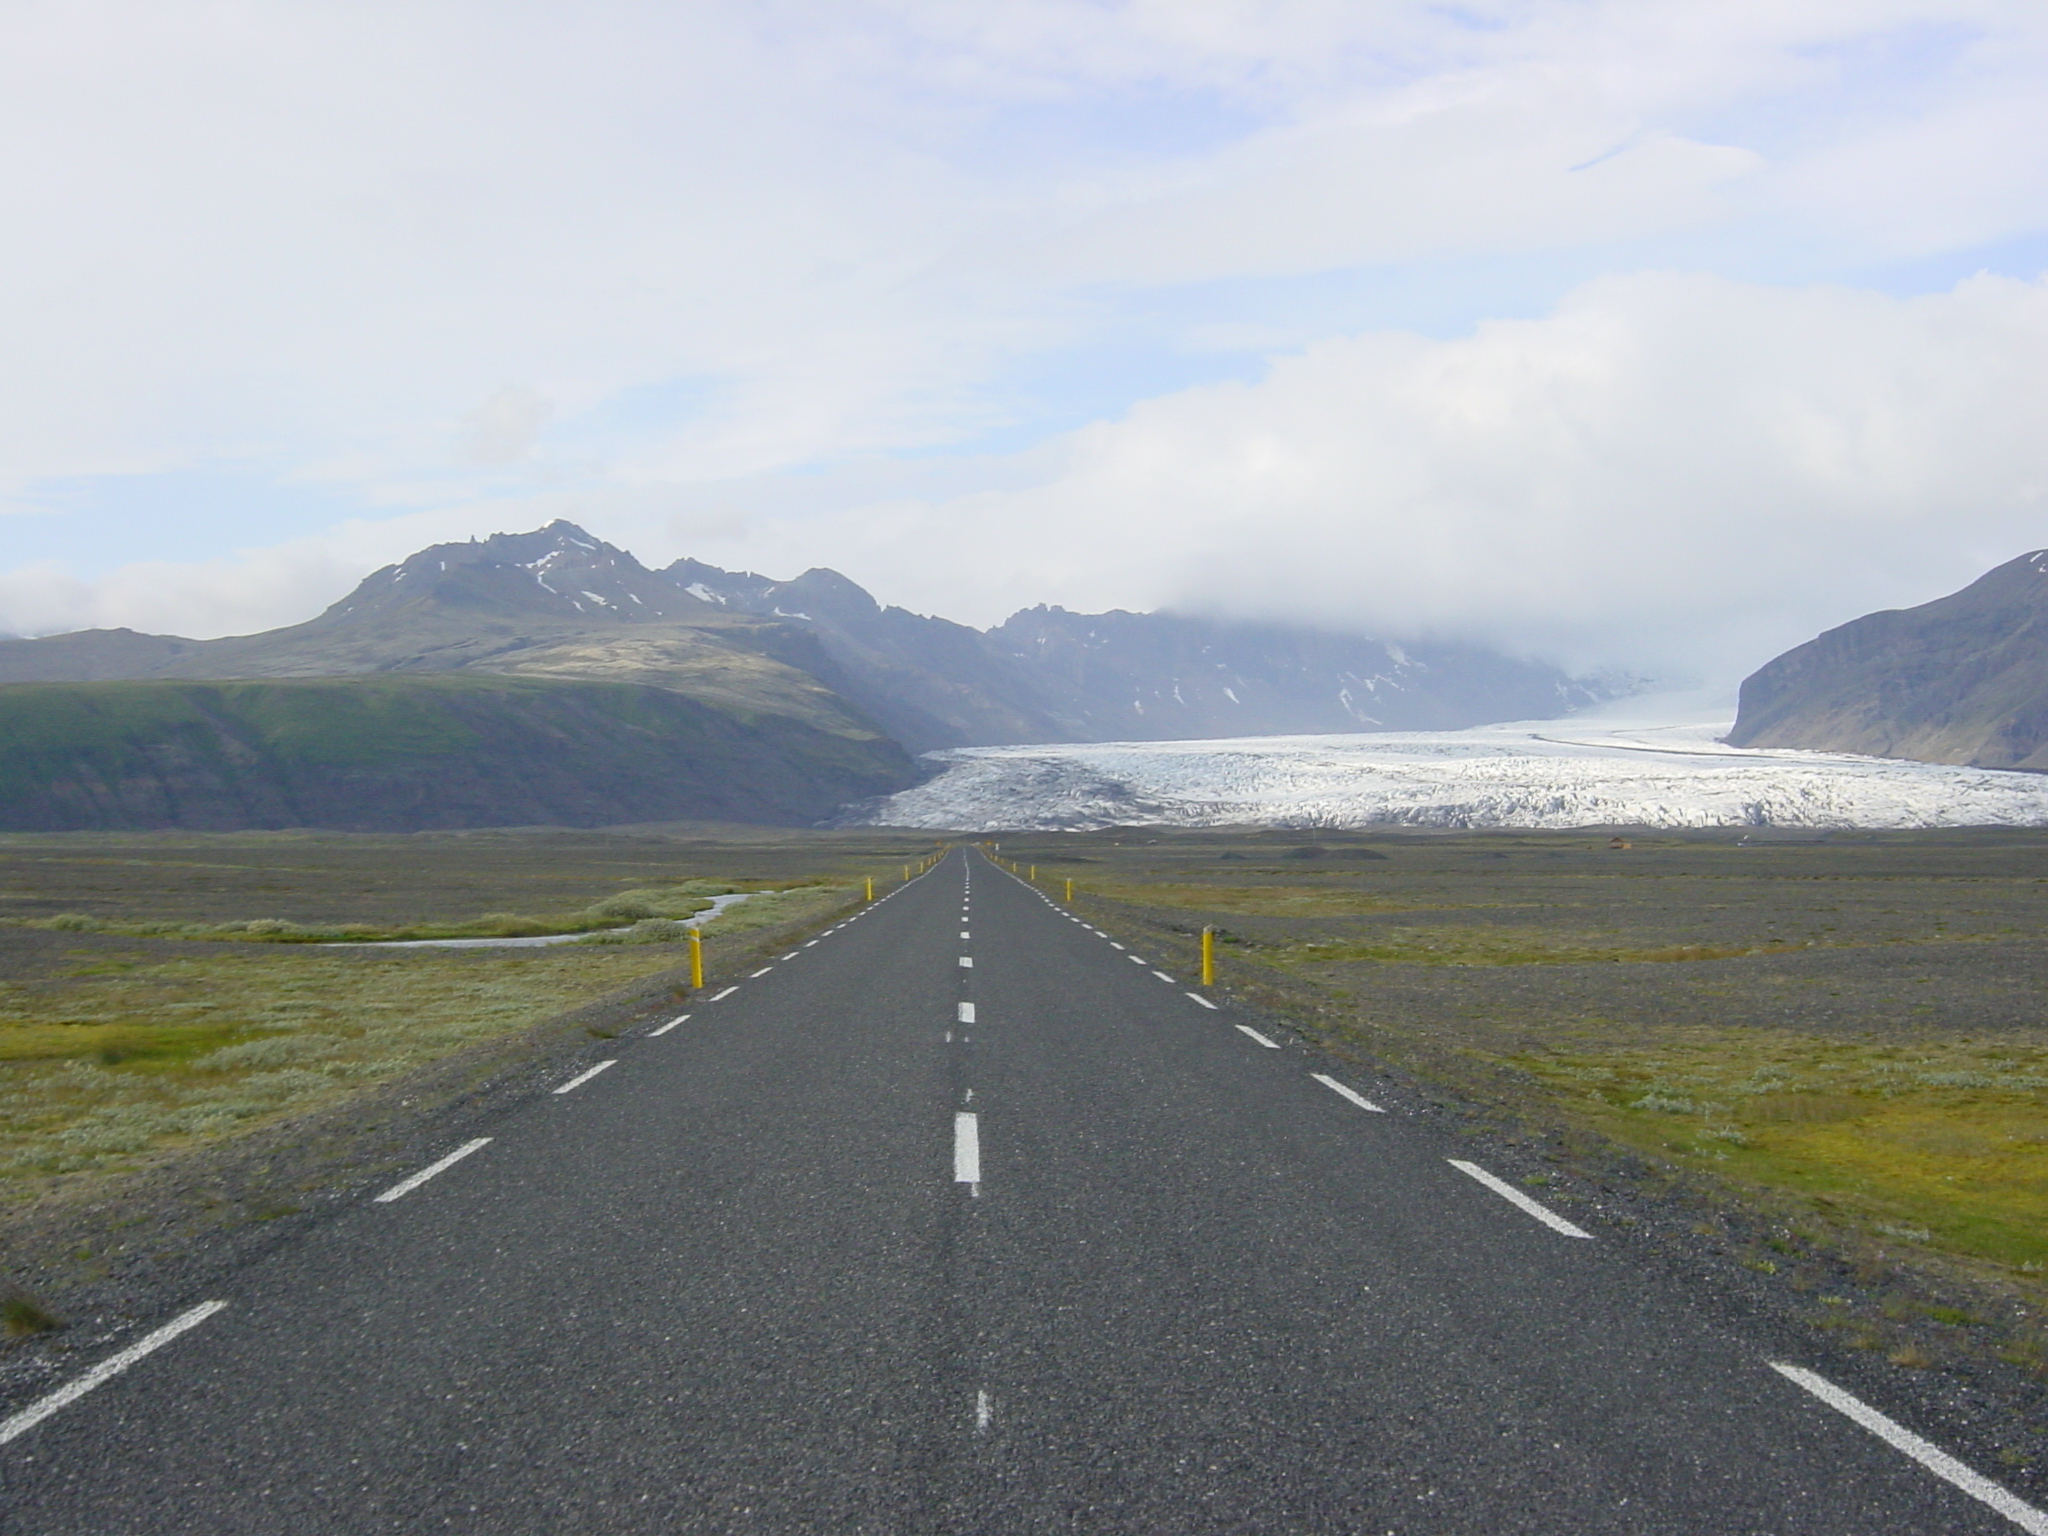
1546,774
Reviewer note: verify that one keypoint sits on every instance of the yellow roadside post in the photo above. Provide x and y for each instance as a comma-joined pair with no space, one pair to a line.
906,874
871,887
1034,874
1070,892
696,959
1208,957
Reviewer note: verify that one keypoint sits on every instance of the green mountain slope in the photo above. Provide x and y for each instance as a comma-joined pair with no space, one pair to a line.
404,753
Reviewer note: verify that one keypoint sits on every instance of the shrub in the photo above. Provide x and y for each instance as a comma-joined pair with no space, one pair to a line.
653,930
1664,1104
21,1315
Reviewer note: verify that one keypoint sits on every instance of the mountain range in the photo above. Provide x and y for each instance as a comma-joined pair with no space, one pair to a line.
1963,679
837,689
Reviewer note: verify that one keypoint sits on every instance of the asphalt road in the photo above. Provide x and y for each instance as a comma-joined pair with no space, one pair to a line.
882,1241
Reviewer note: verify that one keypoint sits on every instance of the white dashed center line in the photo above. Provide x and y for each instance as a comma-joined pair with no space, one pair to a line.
967,1149
966,1013
583,1077
1514,1196
1268,1044
106,1370
1338,1088
1933,1458
407,1186
967,962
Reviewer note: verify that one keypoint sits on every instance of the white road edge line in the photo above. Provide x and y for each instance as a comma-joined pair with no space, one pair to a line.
1355,1097
407,1186
1164,977
966,1015
1270,1045
1201,999
681,1018
966,1149
1514,1196
722,996
761,972
107,1369
583,1077
1932,1457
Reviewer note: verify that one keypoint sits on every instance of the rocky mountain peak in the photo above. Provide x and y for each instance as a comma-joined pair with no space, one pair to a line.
820,596
558,572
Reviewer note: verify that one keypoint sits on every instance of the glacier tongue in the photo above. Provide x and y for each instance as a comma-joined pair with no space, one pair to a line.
1537,774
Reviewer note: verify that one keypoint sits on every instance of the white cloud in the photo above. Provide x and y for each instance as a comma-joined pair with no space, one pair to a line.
505,427
248,590
1522,163
1672,470
320,232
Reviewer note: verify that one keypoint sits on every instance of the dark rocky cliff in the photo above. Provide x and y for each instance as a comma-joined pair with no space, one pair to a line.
1963,679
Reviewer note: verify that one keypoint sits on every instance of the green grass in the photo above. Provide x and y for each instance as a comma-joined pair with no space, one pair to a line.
628,906
1937,1144
1253,900
189,1050
1450,944
23,1316
105,1063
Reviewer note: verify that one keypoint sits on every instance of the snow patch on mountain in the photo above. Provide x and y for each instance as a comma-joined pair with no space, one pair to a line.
1533,774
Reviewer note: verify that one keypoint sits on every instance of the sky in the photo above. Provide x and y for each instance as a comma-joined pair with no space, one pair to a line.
1649,335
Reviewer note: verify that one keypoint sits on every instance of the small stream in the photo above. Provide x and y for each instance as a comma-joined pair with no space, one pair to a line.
718,906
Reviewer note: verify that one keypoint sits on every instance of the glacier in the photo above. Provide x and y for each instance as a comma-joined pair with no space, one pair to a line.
1528,774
